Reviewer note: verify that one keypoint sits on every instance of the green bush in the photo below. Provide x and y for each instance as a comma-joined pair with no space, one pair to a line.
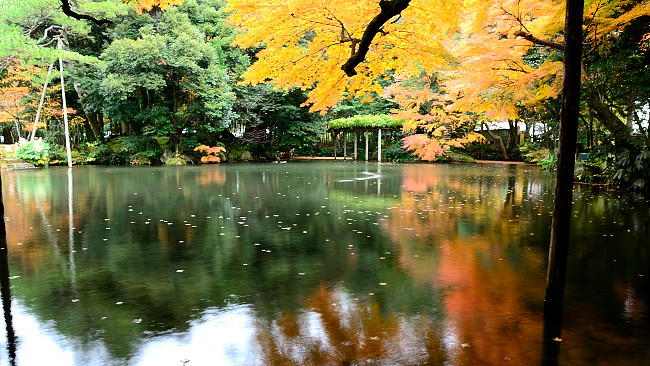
396,153
549,163
36,152
176,160
481,151
454,157
135,150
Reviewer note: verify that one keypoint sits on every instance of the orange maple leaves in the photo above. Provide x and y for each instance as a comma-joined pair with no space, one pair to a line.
212,153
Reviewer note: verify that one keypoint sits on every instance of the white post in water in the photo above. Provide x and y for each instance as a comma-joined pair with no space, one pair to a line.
345,145
355,145
379,145
65,109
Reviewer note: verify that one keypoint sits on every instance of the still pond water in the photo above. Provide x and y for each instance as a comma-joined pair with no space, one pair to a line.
315,263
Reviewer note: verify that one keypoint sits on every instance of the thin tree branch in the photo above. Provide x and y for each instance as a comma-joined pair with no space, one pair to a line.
516,17
529,37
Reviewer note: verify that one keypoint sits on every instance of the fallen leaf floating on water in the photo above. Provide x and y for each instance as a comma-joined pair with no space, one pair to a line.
382,284
137,320
75,300
465,345
557,339
119,303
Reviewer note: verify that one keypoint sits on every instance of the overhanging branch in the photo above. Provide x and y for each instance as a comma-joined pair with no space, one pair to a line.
65,6
529,37
389,9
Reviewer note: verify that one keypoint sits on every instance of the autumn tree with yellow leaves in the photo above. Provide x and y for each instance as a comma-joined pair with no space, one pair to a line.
495,58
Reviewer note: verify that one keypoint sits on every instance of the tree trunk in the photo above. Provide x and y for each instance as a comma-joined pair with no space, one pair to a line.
40,104
609,120
498,139
569,115
91,116
512,135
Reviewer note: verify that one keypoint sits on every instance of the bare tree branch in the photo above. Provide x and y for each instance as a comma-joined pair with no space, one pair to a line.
65,6
516,17
389,9
529,37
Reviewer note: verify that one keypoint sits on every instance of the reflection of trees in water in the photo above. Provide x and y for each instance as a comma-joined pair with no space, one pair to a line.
341,330
481,241
448,232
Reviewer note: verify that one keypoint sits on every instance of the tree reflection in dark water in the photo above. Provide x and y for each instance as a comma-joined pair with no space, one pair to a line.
320,264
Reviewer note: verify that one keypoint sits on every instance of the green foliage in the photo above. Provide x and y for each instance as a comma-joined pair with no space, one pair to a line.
36,152
395,152
170,78
95,152
632,169
353,107
481,151
589,172
366,121
177,160
133,150
549,162
455,157
533,154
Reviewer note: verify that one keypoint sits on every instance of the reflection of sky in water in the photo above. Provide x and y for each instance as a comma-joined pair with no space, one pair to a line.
38,344
220,337
231,336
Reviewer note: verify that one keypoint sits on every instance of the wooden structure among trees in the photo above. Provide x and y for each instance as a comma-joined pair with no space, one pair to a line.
365,124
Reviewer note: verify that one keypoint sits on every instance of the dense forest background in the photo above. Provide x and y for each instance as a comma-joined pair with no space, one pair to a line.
176,82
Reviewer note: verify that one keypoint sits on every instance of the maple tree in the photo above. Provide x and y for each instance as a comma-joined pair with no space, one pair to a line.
14,87
310,42
495,58
212,153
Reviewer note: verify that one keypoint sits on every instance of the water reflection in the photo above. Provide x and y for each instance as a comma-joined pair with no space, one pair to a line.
317,264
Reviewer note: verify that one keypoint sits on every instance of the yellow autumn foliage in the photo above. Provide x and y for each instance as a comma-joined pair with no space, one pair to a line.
474,43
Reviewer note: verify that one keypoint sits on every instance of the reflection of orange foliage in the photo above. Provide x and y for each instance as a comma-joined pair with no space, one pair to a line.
344,331
210,176
486,300
456,235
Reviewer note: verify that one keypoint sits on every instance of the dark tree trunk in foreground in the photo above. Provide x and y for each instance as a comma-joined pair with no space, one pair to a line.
5,291
569,115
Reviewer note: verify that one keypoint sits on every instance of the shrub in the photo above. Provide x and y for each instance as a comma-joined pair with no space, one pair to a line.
212,153
36,151
396,152
176,160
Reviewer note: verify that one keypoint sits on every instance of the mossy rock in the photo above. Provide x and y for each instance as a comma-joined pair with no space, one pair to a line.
452,157
246,156
176,161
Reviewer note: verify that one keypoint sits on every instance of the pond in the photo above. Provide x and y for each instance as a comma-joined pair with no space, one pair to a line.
315,263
